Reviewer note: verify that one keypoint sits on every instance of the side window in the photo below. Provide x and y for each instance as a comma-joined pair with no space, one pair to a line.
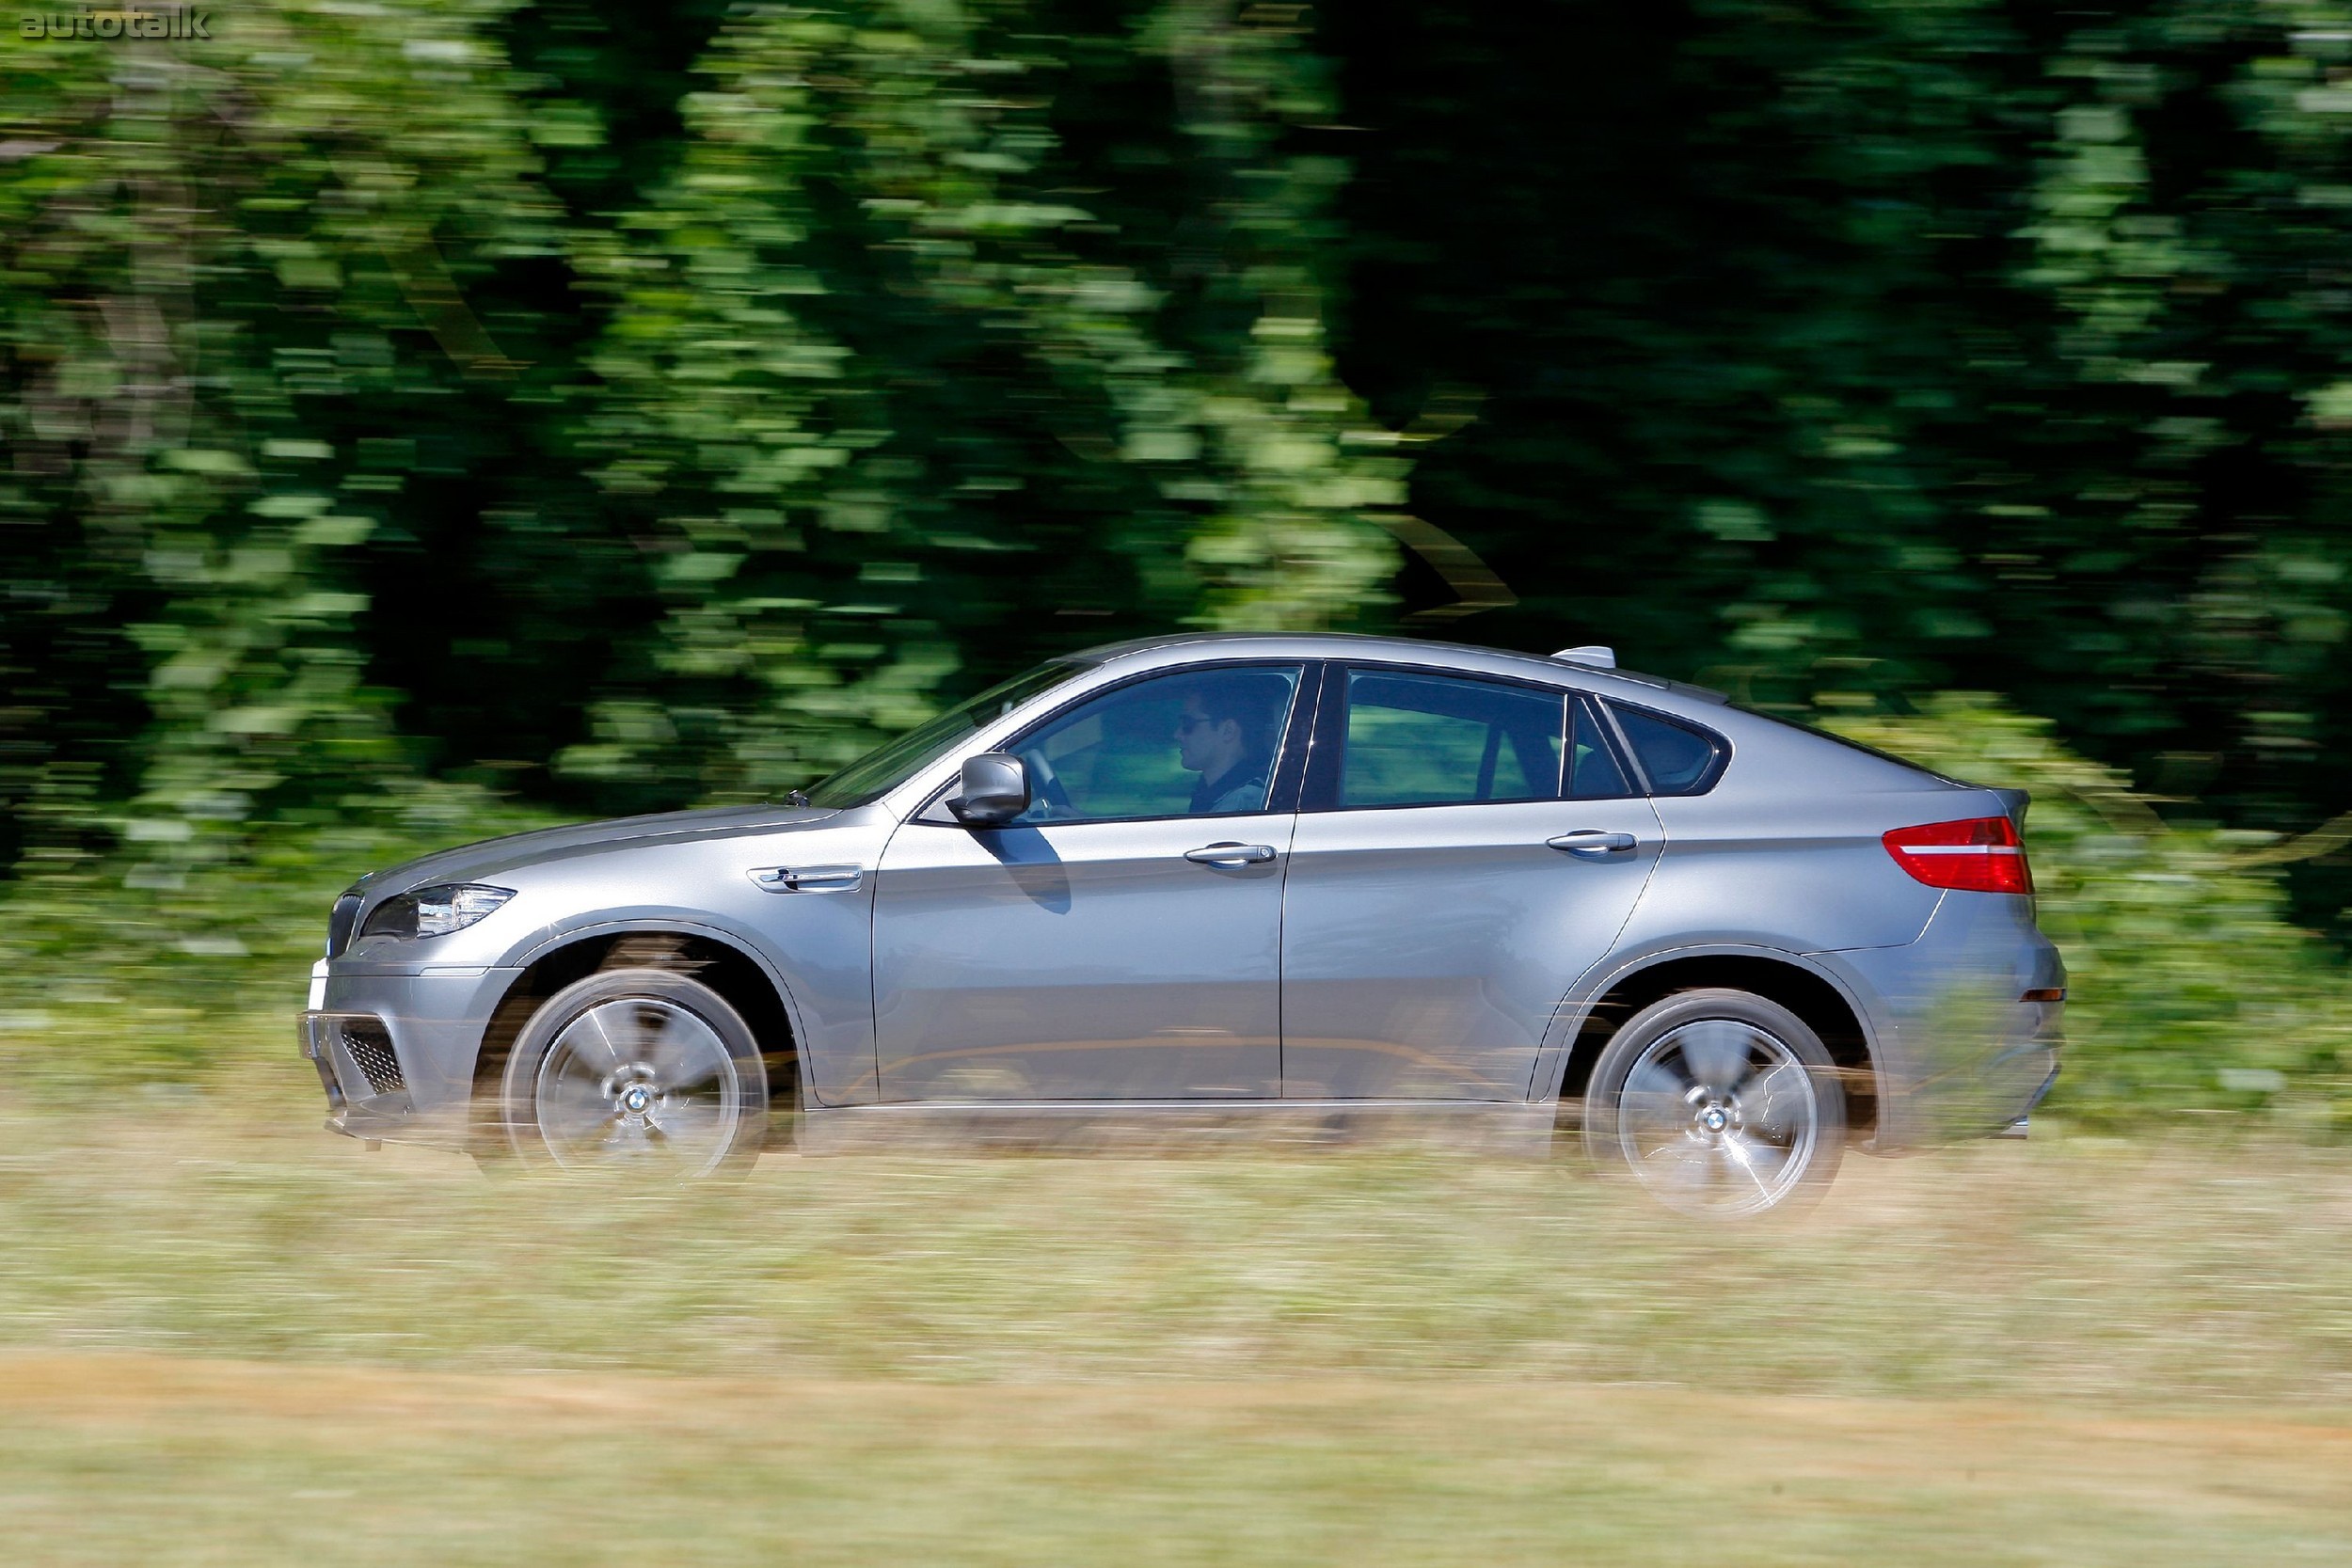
1594,773
1197,743
1426,741
1680,758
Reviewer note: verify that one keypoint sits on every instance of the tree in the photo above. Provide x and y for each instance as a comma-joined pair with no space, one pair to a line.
911,379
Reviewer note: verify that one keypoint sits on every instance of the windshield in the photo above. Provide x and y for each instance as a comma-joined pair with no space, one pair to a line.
887,767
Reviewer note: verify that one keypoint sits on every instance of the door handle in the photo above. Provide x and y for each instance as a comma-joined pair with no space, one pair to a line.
1232,854
1592,841
808,878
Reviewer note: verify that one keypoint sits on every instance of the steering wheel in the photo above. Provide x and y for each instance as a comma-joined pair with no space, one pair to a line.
1045,788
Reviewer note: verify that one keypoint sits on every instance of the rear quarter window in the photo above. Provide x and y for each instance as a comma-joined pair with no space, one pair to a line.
1680,758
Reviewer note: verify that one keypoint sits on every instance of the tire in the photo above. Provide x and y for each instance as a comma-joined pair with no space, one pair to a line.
636,1069
1720,1104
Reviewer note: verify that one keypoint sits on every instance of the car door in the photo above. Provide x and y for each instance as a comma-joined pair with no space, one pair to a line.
1120,940
1466,848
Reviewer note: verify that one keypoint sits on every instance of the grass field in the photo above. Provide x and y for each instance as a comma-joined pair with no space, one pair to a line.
234,1341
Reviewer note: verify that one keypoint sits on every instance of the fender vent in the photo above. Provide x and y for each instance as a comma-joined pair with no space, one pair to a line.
371,1047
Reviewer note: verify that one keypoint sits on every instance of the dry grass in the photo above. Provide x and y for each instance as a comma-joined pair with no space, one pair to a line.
165,1460
259,1347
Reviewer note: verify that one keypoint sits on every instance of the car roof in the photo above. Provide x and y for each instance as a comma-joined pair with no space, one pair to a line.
1402,650
1744,726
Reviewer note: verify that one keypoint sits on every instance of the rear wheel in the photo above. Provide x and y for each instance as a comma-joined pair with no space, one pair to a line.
1719,1104
636,1068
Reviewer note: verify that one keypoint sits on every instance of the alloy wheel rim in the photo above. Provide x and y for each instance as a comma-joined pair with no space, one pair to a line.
637,1081
1719,1116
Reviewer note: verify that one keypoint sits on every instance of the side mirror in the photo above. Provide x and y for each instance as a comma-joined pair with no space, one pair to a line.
995,790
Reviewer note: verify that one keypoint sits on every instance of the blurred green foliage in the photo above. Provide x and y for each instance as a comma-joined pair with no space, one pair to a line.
1889,346
425,416
898,368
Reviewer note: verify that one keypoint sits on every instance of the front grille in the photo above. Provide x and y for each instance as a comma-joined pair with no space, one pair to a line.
339,923
371,1049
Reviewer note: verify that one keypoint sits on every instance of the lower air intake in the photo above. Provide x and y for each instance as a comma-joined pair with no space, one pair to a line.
371,1047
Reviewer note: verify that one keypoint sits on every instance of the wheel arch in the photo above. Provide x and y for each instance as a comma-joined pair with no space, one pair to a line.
1815,995
727,966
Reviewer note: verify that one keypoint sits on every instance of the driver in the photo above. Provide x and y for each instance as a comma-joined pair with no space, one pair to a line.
1226,736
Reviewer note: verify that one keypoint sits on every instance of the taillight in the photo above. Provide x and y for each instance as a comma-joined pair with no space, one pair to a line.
1979,855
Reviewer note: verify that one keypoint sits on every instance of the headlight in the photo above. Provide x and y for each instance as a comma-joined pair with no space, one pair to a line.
434,911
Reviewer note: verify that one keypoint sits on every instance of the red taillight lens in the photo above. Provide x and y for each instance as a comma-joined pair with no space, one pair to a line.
1980,855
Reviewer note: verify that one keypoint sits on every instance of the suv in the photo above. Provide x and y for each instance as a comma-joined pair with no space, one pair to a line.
1230,876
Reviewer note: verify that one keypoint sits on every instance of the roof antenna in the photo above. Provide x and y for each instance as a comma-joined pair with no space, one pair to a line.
1594,653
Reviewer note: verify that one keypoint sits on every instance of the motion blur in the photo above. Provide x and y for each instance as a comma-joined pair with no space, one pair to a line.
428,419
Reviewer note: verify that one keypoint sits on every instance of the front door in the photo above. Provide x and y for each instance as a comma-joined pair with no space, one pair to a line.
1467,850
1121,938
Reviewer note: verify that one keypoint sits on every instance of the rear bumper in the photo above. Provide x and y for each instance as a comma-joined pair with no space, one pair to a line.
1960,1052
2020,1075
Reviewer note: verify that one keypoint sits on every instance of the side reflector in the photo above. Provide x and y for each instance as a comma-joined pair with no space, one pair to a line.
1979,855
2047,993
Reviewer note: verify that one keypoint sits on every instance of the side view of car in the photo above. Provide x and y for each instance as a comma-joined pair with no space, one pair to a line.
1233,876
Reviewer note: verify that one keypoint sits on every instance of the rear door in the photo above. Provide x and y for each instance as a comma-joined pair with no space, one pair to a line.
1466,848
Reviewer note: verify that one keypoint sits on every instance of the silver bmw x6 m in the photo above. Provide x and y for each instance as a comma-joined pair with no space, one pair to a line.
1333,879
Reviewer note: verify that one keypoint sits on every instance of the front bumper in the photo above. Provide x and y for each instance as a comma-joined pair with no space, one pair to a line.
367,1093
395,1054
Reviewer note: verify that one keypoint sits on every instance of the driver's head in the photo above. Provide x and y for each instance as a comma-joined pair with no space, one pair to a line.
1231,717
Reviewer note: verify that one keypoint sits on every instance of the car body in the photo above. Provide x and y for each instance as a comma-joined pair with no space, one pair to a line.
1410,922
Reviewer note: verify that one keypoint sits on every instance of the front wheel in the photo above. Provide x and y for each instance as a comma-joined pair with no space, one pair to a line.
636,1068
1720,1103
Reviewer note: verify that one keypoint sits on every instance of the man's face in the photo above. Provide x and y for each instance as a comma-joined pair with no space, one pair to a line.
1204,747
